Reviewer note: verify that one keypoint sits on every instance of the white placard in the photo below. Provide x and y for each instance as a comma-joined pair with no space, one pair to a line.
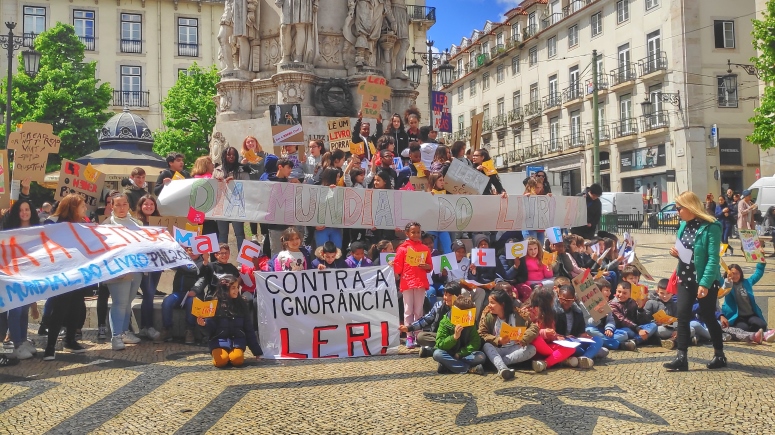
386,257
554,234
248,252
516,250
483,257
205,244
447,261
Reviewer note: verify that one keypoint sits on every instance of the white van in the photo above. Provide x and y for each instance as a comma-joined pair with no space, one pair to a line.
763,192
625,203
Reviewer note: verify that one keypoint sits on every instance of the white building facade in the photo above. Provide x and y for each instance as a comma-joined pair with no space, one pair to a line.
532,77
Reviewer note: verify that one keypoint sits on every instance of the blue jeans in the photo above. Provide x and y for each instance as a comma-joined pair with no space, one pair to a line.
534,234
173,301
333,235
699,330
121,293
442,241
650,328
223,232
612,343
3,325
18,319
458,365
148,285
726,230
590,350
435,291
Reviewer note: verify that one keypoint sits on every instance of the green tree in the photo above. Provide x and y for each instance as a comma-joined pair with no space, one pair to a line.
764,41
189,114
64,93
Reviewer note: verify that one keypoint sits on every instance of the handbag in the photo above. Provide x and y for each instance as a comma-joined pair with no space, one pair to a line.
672,283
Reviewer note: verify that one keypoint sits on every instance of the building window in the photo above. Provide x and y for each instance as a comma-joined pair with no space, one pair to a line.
515,65
184,71
501,106
596,22
533,56
472,87
499,38
499,75
554,134
515,32
83,21
460,94
485,81
725,33
575,127
34,23
188,37
516,100
517,139
727,95
534,92
551,46
461,122
131,92
622,11
573,36
486,47
131,33
486,111
650,4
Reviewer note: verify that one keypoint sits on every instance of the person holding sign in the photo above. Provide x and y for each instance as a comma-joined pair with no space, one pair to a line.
230,169
479,157
230,331
361,135
626,310
442,239
570,324
412,264
412,169
457,346
207,283
175,164
428,325
397,132
317,148
137,187
515,270
182,296
505,349
698,279
740,309
666,303
537,271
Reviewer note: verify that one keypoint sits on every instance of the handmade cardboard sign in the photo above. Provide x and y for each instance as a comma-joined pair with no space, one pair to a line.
32,144
441,262
516,250
463,318
422,171
477,122
723,248
357,148
638,292
462,179
512,333
588,293
483,257
169,222
549,258
554,234
489,167
386,258
339,134
251,157
373,91
204,309
205,244
641,268
178,176
752,247
286,125
81,179
442,117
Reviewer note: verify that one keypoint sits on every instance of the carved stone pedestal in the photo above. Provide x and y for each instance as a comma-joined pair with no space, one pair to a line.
296,87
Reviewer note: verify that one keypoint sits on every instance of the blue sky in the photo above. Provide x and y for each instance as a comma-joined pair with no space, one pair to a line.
458,18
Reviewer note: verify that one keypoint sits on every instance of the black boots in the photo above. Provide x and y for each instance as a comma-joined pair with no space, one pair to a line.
680,363
718,361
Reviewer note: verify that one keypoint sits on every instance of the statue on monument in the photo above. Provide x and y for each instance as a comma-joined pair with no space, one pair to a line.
238,28
298,31
400,23
363,26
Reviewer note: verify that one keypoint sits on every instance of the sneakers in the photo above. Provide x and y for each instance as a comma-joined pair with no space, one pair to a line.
74,347
539,365
769,336
7,345
629,345
571,362
758,336
5,361
410,342
49,354
668,344
30,347
129,338
603,353
20,353
476,370
102,333
440,369
153,334
189,336
426,351
586,363
117,343
506,374
726,337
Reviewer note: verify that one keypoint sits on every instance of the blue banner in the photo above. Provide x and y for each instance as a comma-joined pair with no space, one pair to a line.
442,118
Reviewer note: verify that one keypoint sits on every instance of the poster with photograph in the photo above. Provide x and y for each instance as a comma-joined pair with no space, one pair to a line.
286,125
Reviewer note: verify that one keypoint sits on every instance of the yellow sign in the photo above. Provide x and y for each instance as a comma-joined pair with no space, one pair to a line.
91,174
638,292
204,309
549,258
420,169
662,318
599,274
251,157
722,292
372,148
414,258
513,333
356,149
489,167
194,228
723,264
178,176
463,317
723,248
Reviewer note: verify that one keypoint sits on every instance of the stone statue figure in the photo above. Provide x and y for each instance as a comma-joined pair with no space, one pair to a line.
238,27
400,25
298,30
363,26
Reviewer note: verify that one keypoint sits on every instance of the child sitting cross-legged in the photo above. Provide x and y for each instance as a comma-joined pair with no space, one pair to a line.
428,325
457,346
542,313
231,330
502,351
569,323
667,302
625,318
597,328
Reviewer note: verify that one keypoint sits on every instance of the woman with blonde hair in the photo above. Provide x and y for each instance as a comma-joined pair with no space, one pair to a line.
203,167
698,277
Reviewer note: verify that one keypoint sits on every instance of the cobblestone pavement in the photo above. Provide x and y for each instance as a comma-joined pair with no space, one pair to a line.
172,388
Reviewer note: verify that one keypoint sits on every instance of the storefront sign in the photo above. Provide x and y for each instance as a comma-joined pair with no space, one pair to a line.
643,158
730,152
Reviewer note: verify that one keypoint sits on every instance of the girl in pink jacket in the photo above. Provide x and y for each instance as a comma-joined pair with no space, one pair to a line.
537,271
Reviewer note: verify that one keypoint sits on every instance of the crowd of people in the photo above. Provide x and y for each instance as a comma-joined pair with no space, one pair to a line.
528,292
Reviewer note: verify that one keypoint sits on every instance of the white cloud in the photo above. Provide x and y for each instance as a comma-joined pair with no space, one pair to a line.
508,5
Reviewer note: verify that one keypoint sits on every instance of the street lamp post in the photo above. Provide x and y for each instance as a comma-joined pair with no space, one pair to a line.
31,64
445,71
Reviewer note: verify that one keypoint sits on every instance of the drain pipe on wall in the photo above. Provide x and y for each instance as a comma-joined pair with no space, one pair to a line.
158,42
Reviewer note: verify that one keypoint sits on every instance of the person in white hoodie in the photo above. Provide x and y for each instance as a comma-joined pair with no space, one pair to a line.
428,147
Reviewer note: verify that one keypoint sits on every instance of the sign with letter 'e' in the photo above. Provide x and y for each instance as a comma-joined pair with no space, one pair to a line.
330,313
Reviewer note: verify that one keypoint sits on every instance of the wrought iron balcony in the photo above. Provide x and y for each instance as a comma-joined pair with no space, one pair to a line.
487,126
89,41
188,50
653,63
605,134
552,145
533,152
529,31
551,20
655,121
533,108
515,156
131,98
572,92
498,49
28,39
131,46
602,83
574,6
552,101
515,116
623,74
499,122
421,14
572,141
624,127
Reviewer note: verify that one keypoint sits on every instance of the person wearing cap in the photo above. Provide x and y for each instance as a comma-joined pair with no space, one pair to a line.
746,209
483,275
463,262
594,211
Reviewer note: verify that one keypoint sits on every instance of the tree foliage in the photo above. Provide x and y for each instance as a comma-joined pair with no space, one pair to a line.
189,114
764,42
65,93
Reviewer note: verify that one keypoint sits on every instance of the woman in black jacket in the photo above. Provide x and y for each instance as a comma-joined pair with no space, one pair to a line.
397,131
480,156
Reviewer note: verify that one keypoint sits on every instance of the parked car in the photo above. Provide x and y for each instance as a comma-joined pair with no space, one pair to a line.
666,217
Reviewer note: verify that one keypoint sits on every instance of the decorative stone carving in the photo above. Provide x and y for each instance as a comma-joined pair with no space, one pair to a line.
272,52
330,50
333,99
263,100
239,25
362,28
225,102
298,31
400,27
292,92
218,143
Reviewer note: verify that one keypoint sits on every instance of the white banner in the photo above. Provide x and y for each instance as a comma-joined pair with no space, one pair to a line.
344,207
330,313
41,262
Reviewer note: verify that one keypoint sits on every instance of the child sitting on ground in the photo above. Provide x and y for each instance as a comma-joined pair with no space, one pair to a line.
428,325
667,302
537,271
597,328
625,318
569,321
457,346
329,257
515,273
182,296
231,329
542,313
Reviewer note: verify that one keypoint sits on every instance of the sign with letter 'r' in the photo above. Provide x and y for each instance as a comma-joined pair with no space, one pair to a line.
329,313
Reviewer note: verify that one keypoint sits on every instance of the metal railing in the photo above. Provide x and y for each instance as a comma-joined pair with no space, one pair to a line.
572,141
529,31
487,126
572,92
499,122
188,50
421,13
533,152
624,127
605,134
655,121
515,115
552,145
653,63
623,74
533,108
498,49
28,39
551,20
89,42
602,83
574,6
131,98
552,100
131,46
516,156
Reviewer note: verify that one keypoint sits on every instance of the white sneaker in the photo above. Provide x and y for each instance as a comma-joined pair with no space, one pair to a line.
586,363
571,362
21,353
153,334
539,365
129,338
117,343
29,346
603,353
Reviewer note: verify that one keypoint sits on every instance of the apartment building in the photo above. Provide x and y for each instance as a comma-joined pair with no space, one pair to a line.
140,45
663,86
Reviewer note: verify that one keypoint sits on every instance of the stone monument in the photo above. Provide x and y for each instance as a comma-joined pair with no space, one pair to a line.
295,52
